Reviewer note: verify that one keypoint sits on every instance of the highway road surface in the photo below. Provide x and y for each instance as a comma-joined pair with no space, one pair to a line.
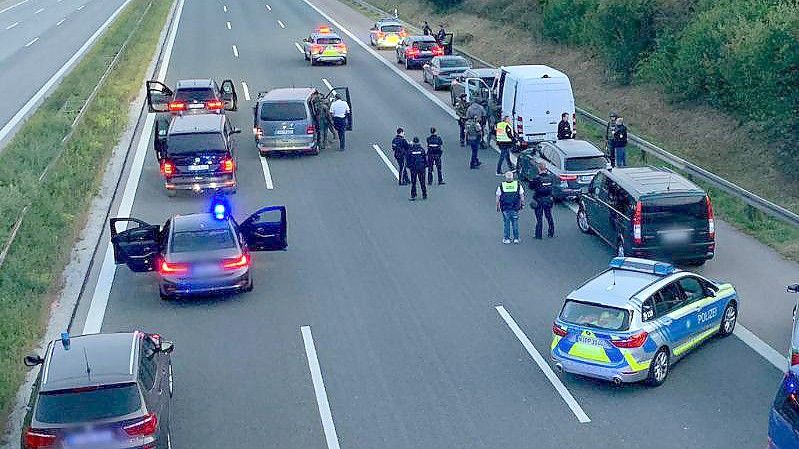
391,324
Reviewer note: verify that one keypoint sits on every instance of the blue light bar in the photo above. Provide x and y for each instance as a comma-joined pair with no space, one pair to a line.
641,265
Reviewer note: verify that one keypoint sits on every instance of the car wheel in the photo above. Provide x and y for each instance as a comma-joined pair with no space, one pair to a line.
407,65
344,62
620,248
249,286
170,380
582,221
171,193
659,368
165,296
452,97
435,83
728,320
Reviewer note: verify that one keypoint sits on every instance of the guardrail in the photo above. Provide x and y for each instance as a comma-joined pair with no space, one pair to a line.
757,202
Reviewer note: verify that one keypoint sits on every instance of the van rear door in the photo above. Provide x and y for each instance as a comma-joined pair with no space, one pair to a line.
541,107
675,220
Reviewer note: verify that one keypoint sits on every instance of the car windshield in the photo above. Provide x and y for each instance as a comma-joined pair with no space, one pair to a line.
676,209
195,142
328,40
283,111
453,62
194,94
595,315
585,163
87,405
202,240
391,28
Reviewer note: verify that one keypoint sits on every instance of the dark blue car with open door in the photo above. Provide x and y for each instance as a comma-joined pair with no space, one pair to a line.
783,419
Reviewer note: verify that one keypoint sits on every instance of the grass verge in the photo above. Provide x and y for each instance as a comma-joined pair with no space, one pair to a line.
32,270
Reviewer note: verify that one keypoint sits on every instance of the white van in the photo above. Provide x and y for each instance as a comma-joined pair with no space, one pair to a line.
534,96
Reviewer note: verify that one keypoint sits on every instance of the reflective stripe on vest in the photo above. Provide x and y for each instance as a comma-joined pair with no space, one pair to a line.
510,187
502,133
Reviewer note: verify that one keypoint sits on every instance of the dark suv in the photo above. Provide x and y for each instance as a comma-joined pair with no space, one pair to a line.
104,391
192,97
416,51
651,213
196,152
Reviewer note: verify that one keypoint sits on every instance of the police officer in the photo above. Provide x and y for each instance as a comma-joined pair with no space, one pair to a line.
442,34
620,143
434,151
477,111
401,148
460,109
340,109
510,200
417,160
473,135
564,127
426,30
610,129
541,185
324,122
505,139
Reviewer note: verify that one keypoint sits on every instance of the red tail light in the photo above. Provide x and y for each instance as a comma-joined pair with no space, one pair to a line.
438,51
177,106
167,168
214,105
635,341
568,177
341,47
236,262
146,426
38,439
172,268
559,331
711,223
794,358
316,48
411,52
520,125
381,35
228,165
637,219
310,129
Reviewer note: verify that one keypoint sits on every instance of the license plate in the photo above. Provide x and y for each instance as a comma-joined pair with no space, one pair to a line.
204,270
586,179
675,236
196,106
199,167
589,341
283,132
89,439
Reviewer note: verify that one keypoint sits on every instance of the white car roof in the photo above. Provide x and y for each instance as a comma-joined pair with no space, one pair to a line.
533,72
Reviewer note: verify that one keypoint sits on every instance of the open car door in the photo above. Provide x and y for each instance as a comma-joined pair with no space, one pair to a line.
159,136
477,90
344,93
229,95
137,247
158,96
265,230
449,39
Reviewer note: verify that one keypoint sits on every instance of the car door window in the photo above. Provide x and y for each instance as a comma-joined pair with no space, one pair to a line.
604,192
622,202
692,288
147,364
596,184
648,309
669,298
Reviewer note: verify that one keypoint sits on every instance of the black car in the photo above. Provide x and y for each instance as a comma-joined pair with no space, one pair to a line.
110,391
573,162
441,70
204,253
415,51
651,213
198,96
196,153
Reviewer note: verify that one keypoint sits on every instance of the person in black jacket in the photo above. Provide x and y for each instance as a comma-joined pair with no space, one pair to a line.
417,161
541,186
564,127
426,30
620,142
401,148
434,152
442,34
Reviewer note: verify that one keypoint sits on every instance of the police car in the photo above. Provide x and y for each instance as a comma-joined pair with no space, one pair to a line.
635,319
323,45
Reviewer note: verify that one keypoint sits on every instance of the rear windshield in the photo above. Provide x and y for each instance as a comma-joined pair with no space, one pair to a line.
666,211
454,62
199,94
197,142
62,407
585,163
328,40
202,240
391,28
424,45
283,112
595,315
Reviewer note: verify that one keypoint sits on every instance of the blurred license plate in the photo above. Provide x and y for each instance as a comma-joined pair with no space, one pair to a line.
89,439
675,236
284,131
196,106
586,179
198,167
204,270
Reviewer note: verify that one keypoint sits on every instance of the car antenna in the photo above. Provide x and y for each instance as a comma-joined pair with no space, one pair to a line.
88,368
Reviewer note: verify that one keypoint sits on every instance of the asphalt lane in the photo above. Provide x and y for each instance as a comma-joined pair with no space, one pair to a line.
400,296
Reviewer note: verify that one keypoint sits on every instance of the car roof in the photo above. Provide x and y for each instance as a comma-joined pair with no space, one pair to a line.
614,287
421,38
483,72
577,148
288,93
196,123
183,84
331,34
533,72
111,359
198,222
451,57
389,20
642,181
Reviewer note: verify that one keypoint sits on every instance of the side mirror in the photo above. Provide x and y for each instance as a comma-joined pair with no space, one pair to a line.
710,292
167,347
793,288
33,360
235,131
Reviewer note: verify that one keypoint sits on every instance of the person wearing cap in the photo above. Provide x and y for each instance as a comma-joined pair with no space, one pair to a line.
460,110
434,152
620,143
417,161
441,35
510,200
401,148
339,109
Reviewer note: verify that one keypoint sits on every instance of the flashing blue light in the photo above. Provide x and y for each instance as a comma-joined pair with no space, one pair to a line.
641,265
616,262
663,269
65,340
791,386
219,208
219,211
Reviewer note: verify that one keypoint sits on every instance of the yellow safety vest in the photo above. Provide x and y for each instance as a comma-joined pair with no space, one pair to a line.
502,133
510,187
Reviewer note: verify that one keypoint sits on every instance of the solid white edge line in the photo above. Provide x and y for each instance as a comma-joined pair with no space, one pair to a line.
386,160
13,6
33,41
282,25
299,48
235,51
327,83
228,25
23,111
267,173
319,389
528,345
102,290
268,7
761,347
12,25
246,90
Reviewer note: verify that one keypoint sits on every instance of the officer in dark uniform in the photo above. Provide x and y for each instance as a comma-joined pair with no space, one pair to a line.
564,127
417,161
401,148
541,186
434,151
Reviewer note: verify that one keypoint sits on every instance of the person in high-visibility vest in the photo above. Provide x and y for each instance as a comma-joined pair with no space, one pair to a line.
510,200
505,139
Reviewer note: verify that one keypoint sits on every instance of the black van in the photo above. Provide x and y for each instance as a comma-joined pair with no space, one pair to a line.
651,213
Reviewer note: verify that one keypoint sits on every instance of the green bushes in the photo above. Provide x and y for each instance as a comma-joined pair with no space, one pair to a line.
445,4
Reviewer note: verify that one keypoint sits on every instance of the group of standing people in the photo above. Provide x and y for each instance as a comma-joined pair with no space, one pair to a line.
617,141
471,121
440,36
413,161
332,117
510,197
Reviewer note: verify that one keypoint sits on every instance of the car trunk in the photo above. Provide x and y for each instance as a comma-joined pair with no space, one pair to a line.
580,171
674,220
285,125
540,106
198,164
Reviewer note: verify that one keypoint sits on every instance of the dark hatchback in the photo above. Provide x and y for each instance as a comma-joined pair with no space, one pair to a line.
650,213
416,51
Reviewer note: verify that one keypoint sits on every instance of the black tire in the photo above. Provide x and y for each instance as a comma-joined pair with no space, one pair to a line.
344,62
249,286
165,296
305,55
407,65
728,320
696,262
582,221
659,368
452,97
435,84
399,61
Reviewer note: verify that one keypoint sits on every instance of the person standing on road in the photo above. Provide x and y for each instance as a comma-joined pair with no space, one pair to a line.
461,107
417,160
324,121
340,109
541,185
442,34
620,143
401,148
426,30
434,152
505,139
473,136
564,127
510,200
477,111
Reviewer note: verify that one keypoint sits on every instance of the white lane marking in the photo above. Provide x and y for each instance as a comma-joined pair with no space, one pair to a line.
13,6
267,173
102,290
282,25
235,51
528,345
81,7
32,41
386,160
38,11
246,90
299,48
761,347
327,83
319,389
12,25
60,22
59,1
268,7
228,25
224,8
